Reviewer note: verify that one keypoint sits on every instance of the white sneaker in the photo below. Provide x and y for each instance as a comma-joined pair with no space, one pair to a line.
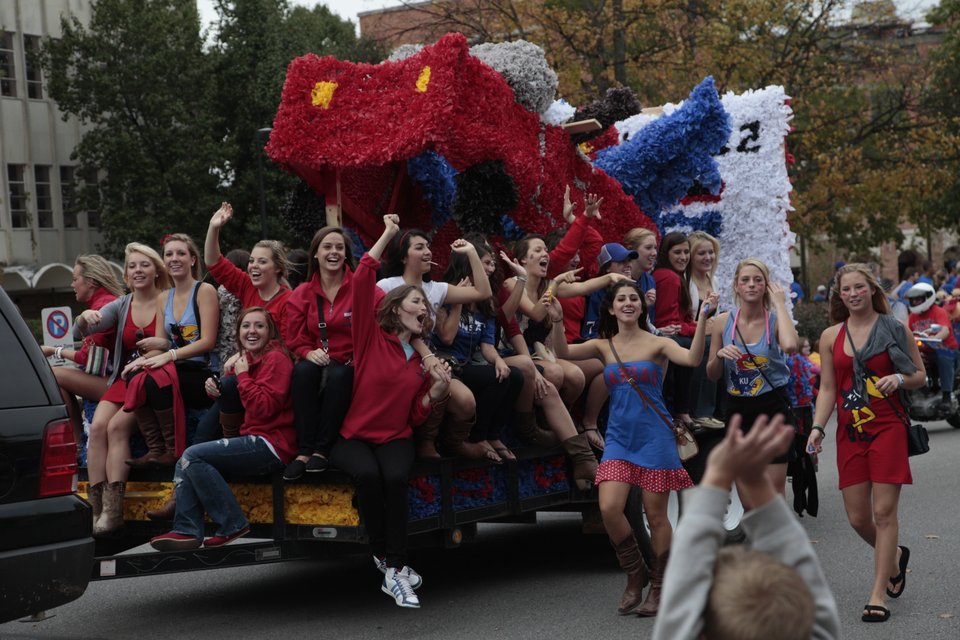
412,576
396,584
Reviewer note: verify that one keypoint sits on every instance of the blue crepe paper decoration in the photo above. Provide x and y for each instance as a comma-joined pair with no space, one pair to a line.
436,179
660,162
710,221
511,231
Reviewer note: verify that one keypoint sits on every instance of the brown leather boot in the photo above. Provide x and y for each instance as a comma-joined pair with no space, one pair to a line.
425,435
584,463
95,498
111,520
454,438
168,455
166,512
150,428
631,561
652,604
231,423
525,424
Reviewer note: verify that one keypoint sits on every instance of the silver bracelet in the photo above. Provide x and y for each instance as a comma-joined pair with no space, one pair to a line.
899,378
58,353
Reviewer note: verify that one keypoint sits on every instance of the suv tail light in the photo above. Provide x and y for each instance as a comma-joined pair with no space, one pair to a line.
58,467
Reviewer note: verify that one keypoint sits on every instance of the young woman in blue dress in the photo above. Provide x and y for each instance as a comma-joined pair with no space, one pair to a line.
640,447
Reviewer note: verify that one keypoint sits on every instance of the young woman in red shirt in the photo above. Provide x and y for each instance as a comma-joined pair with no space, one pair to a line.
391,394
266,442
263,285
867,358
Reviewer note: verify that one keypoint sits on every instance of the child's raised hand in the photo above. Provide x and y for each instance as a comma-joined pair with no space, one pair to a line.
744,458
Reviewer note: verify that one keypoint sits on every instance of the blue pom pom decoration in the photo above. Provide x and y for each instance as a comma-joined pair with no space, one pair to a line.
436,179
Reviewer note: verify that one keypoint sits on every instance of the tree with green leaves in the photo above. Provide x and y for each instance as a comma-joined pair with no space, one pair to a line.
139,79
173,116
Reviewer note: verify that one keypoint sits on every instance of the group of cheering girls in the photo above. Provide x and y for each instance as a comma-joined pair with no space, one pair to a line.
366,375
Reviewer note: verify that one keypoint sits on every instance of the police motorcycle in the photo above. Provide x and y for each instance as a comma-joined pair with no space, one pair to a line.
929,403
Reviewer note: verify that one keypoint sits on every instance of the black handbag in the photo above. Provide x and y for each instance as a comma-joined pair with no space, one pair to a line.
918,440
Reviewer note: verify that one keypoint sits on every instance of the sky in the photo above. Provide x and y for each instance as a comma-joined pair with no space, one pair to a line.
348,9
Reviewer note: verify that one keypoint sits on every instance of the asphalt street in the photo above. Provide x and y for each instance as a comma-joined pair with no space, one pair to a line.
519,581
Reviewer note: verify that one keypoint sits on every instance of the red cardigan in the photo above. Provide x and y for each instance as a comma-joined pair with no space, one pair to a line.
267,405
582,237
668,302
303,332
388,389
237,282
105,339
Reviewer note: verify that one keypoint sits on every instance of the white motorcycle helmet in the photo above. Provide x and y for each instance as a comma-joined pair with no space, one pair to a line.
920,297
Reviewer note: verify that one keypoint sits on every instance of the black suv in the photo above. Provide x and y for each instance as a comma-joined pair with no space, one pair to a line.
46,543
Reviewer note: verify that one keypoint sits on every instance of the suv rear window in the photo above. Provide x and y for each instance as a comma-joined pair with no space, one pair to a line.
20,386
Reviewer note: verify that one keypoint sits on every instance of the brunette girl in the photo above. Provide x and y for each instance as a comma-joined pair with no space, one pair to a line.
134,316
267,440
704,253
747,352
867,358
262,285
674,316
323,377
468,335
409,263
95,285
392,393
189,318
640,446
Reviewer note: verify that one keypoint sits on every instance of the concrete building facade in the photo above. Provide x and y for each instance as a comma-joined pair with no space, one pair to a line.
40,234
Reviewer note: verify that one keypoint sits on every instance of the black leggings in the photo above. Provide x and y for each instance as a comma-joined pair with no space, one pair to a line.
495,398
381,473
318,414
191,378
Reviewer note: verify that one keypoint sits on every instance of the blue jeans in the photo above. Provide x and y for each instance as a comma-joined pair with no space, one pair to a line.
200,486
946,367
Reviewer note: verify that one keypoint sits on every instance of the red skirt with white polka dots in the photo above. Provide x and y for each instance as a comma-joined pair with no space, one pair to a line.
654,480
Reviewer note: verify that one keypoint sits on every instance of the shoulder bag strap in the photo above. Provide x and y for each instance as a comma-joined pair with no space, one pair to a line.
633,383
869,372
322,324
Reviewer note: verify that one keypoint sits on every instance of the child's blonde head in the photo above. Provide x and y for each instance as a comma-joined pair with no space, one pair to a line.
755,597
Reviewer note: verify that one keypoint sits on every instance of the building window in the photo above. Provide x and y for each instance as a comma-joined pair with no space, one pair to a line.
18,196
31,62
90,182
41,174
8,68
67,198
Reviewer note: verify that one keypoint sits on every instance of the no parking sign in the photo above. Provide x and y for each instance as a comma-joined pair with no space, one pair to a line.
57,326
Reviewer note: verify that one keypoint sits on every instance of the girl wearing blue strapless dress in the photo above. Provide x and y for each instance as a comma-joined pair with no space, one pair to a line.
640,447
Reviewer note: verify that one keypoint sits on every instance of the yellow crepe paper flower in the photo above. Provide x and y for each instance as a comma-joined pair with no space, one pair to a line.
322,94
423,80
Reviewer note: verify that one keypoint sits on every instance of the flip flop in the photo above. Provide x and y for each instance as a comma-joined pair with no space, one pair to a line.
505,453
902,576
875,613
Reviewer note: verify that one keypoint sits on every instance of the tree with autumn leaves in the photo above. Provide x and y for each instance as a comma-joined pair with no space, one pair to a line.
871,148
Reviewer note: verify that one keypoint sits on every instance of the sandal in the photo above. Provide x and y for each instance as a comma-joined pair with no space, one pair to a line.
594,437
901,578
875,613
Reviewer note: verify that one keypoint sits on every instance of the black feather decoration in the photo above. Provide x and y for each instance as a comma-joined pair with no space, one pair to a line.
619,104
485,192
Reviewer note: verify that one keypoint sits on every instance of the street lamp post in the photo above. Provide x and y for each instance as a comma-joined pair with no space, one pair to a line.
261,139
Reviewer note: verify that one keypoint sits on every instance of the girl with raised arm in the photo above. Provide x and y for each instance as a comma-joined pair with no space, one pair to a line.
866,359
409,263
392,393
134,317
263,285
640,447
747,352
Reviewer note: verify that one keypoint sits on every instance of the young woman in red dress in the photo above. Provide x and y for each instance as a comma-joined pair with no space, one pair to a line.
867,357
